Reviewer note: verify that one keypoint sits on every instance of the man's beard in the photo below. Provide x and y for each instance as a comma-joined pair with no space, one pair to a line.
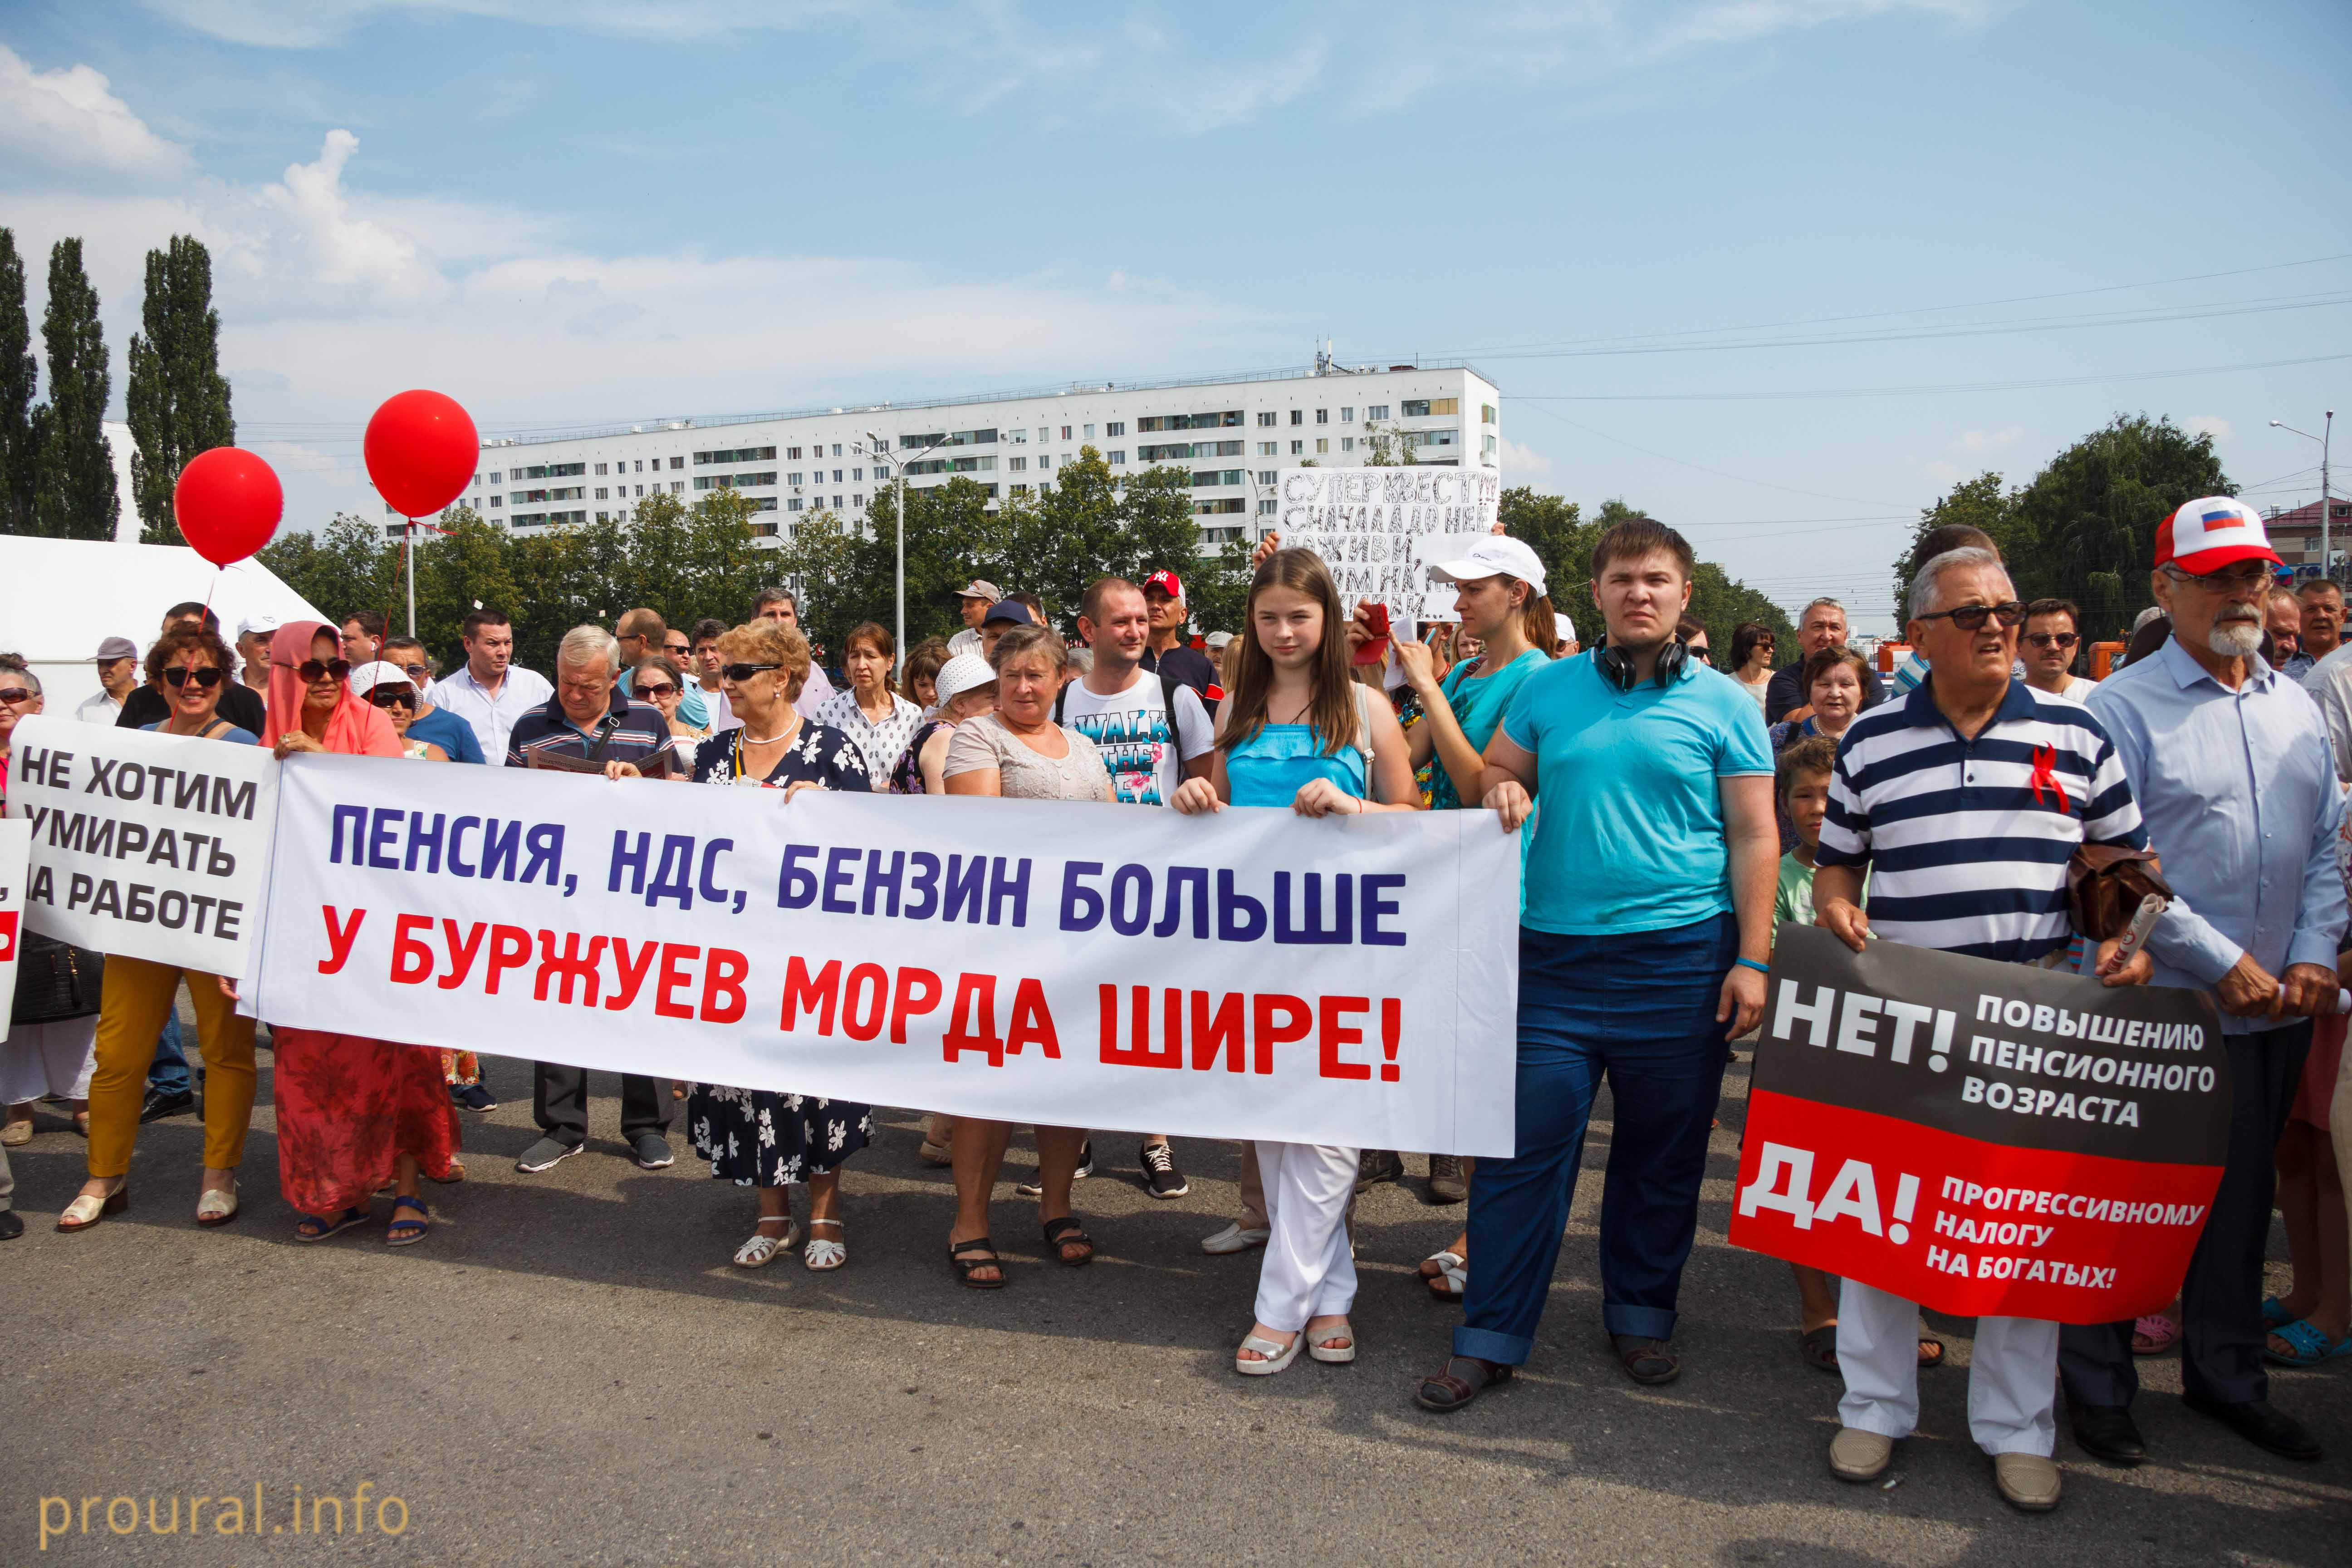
2235,637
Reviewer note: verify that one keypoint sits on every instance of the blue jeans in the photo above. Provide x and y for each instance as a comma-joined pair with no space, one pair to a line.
168,1073
1639,1008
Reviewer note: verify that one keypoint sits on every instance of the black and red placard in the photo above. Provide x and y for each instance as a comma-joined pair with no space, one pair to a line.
1979,1137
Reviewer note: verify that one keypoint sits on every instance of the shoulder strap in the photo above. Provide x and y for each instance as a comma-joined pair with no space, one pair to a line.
1168,685
1363,718
1061,701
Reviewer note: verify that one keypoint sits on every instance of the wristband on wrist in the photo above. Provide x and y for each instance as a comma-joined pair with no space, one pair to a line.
1751,964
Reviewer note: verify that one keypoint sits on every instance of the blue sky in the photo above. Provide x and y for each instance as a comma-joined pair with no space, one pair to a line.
1662,229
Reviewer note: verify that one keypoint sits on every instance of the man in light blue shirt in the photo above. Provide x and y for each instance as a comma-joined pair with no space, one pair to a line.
2230,762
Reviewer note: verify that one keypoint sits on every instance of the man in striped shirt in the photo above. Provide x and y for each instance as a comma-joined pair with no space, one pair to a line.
1963,801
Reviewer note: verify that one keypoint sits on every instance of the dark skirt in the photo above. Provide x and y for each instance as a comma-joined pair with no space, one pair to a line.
760,1138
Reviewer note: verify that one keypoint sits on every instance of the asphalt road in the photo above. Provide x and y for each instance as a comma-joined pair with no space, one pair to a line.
568,1371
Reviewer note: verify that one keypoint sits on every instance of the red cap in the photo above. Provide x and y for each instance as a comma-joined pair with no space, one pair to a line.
2205,535
1167,583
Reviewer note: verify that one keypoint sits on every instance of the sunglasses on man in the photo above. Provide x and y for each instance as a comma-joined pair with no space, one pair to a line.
314,669
204,676
1972,617
417,672
1704,656
2052,639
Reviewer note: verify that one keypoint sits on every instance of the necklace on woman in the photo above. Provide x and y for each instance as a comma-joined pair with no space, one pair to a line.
765,740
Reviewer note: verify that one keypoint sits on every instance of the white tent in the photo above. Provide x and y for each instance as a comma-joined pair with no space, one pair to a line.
59,598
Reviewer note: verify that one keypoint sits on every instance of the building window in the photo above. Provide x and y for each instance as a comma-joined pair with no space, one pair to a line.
1265,508
1375,411
836,448
1430,407
794,453
600,469
836,504
1266,476
1322,445
1296,448
1116,457
1486,414
1044,460
1489,448
792,505
1265,419
1065,432
1089,432
1346,443
860,473
1116,428
677,487
1019,466
603,517
1299,417
641,491
495,479
857,500
1266,448
1227,507
494,501
1322,416
1346,416
1018,489
600,496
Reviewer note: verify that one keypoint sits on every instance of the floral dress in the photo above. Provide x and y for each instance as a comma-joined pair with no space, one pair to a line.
906,778
760,1137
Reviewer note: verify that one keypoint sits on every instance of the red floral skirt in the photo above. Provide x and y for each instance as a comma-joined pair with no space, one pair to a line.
348,1107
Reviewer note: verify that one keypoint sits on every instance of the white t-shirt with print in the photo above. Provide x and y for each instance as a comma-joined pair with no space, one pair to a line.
1143,752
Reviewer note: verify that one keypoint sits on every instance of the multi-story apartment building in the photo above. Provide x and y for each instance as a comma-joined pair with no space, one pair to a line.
1231,434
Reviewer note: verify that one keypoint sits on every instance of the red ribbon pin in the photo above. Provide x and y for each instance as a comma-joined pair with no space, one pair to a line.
2046,761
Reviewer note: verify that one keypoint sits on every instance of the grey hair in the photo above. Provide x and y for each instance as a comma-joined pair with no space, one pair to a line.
1924,599
1822,603
1082,659
2151,613
12,662
585,645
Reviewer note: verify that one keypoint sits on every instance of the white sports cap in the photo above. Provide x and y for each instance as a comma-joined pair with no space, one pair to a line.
379,672
964,672
1564,627
263,623
1474,556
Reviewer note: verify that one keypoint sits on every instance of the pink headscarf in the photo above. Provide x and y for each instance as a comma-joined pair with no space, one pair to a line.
356,727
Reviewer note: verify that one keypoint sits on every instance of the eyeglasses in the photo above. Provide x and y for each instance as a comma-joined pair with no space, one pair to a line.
2244,578
656,688
2052,639
1699,652
14,695
1972,617
419,670
739,673
206,676
676,650
394,697
313,669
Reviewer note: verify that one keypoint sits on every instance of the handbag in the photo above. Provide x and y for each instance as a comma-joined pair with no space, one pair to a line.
2105,886
56,981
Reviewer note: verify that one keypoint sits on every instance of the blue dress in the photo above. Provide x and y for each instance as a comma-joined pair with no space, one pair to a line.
1271,766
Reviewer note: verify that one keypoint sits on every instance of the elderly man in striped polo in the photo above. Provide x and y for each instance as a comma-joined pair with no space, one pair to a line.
1964,800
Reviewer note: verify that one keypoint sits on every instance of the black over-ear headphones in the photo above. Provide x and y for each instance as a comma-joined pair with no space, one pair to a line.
1616,667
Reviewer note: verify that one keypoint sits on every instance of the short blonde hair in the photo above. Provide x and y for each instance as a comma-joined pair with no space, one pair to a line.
769,642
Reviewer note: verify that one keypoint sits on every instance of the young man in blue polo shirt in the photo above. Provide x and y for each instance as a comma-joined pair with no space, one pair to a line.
1642,946
1963,801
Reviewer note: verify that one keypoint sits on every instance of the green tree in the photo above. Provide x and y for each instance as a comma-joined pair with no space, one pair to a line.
1722,601
73,489
348,565
1979,503
1390,449
465,564
178,400
17,451
1554,530
2085,526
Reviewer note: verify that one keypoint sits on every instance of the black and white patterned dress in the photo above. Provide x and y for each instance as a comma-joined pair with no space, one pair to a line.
759,1137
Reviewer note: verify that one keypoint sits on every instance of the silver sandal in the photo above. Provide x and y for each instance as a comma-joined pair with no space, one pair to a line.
762,1248
823,1257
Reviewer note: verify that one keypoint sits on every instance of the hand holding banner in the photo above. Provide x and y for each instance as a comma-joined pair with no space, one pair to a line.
1978,1137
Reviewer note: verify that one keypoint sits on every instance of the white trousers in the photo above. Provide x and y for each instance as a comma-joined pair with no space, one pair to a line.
2012,1373
1308,1272
47,1059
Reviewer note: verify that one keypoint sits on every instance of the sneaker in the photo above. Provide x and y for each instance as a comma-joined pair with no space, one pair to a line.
1034,1188
1162,1179
472,1097
545,1155
1377,1165
651,1150
1445,1183
159,1105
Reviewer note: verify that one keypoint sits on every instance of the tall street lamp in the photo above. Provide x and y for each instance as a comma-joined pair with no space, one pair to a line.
878,447
2327,429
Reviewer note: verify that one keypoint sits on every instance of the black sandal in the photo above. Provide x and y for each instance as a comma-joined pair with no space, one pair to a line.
1646,1360
1819,1347
1446,1392
1066,1232
966,1266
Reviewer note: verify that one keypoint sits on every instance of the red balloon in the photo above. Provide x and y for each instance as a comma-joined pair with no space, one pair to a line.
421,449
227,504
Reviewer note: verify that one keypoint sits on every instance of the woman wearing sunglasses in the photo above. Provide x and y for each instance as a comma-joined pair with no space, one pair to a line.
390,690
661,680
1753,645
190,665
353,1112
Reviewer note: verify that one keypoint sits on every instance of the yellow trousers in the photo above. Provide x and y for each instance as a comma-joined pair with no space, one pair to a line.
137,997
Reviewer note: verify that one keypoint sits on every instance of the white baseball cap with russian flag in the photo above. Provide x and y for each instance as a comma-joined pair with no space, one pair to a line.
2207,535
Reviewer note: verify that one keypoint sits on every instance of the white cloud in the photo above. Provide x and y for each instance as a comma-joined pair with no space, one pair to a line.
1988,441
2211,425
313,23
1944,474
1523,466
68,122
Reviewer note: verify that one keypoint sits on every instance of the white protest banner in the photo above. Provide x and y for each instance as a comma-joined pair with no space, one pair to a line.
1379,529
1251,975
15,838
146,844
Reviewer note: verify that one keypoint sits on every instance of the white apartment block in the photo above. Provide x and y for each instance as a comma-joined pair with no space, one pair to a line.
1231,434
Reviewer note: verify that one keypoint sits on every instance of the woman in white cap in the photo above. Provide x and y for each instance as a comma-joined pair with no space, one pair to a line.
1498,584
387,685
964,686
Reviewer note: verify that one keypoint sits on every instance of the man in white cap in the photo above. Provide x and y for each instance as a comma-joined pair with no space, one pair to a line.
253,635
1564,637
973,598
118,675
2230,762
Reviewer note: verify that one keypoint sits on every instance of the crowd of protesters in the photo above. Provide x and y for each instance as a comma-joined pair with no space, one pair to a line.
1674,810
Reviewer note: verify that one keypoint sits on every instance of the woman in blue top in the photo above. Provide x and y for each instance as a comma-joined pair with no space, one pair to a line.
1642,946
1297,733
1499,594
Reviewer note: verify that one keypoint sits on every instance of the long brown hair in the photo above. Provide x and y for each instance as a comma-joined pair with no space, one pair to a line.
1332,710
1535,623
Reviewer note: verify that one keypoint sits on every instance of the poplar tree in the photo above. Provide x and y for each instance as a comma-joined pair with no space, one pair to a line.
17,451
179,402
73,487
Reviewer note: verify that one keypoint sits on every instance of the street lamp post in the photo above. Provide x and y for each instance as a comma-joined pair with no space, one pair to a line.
878,446
2327,429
